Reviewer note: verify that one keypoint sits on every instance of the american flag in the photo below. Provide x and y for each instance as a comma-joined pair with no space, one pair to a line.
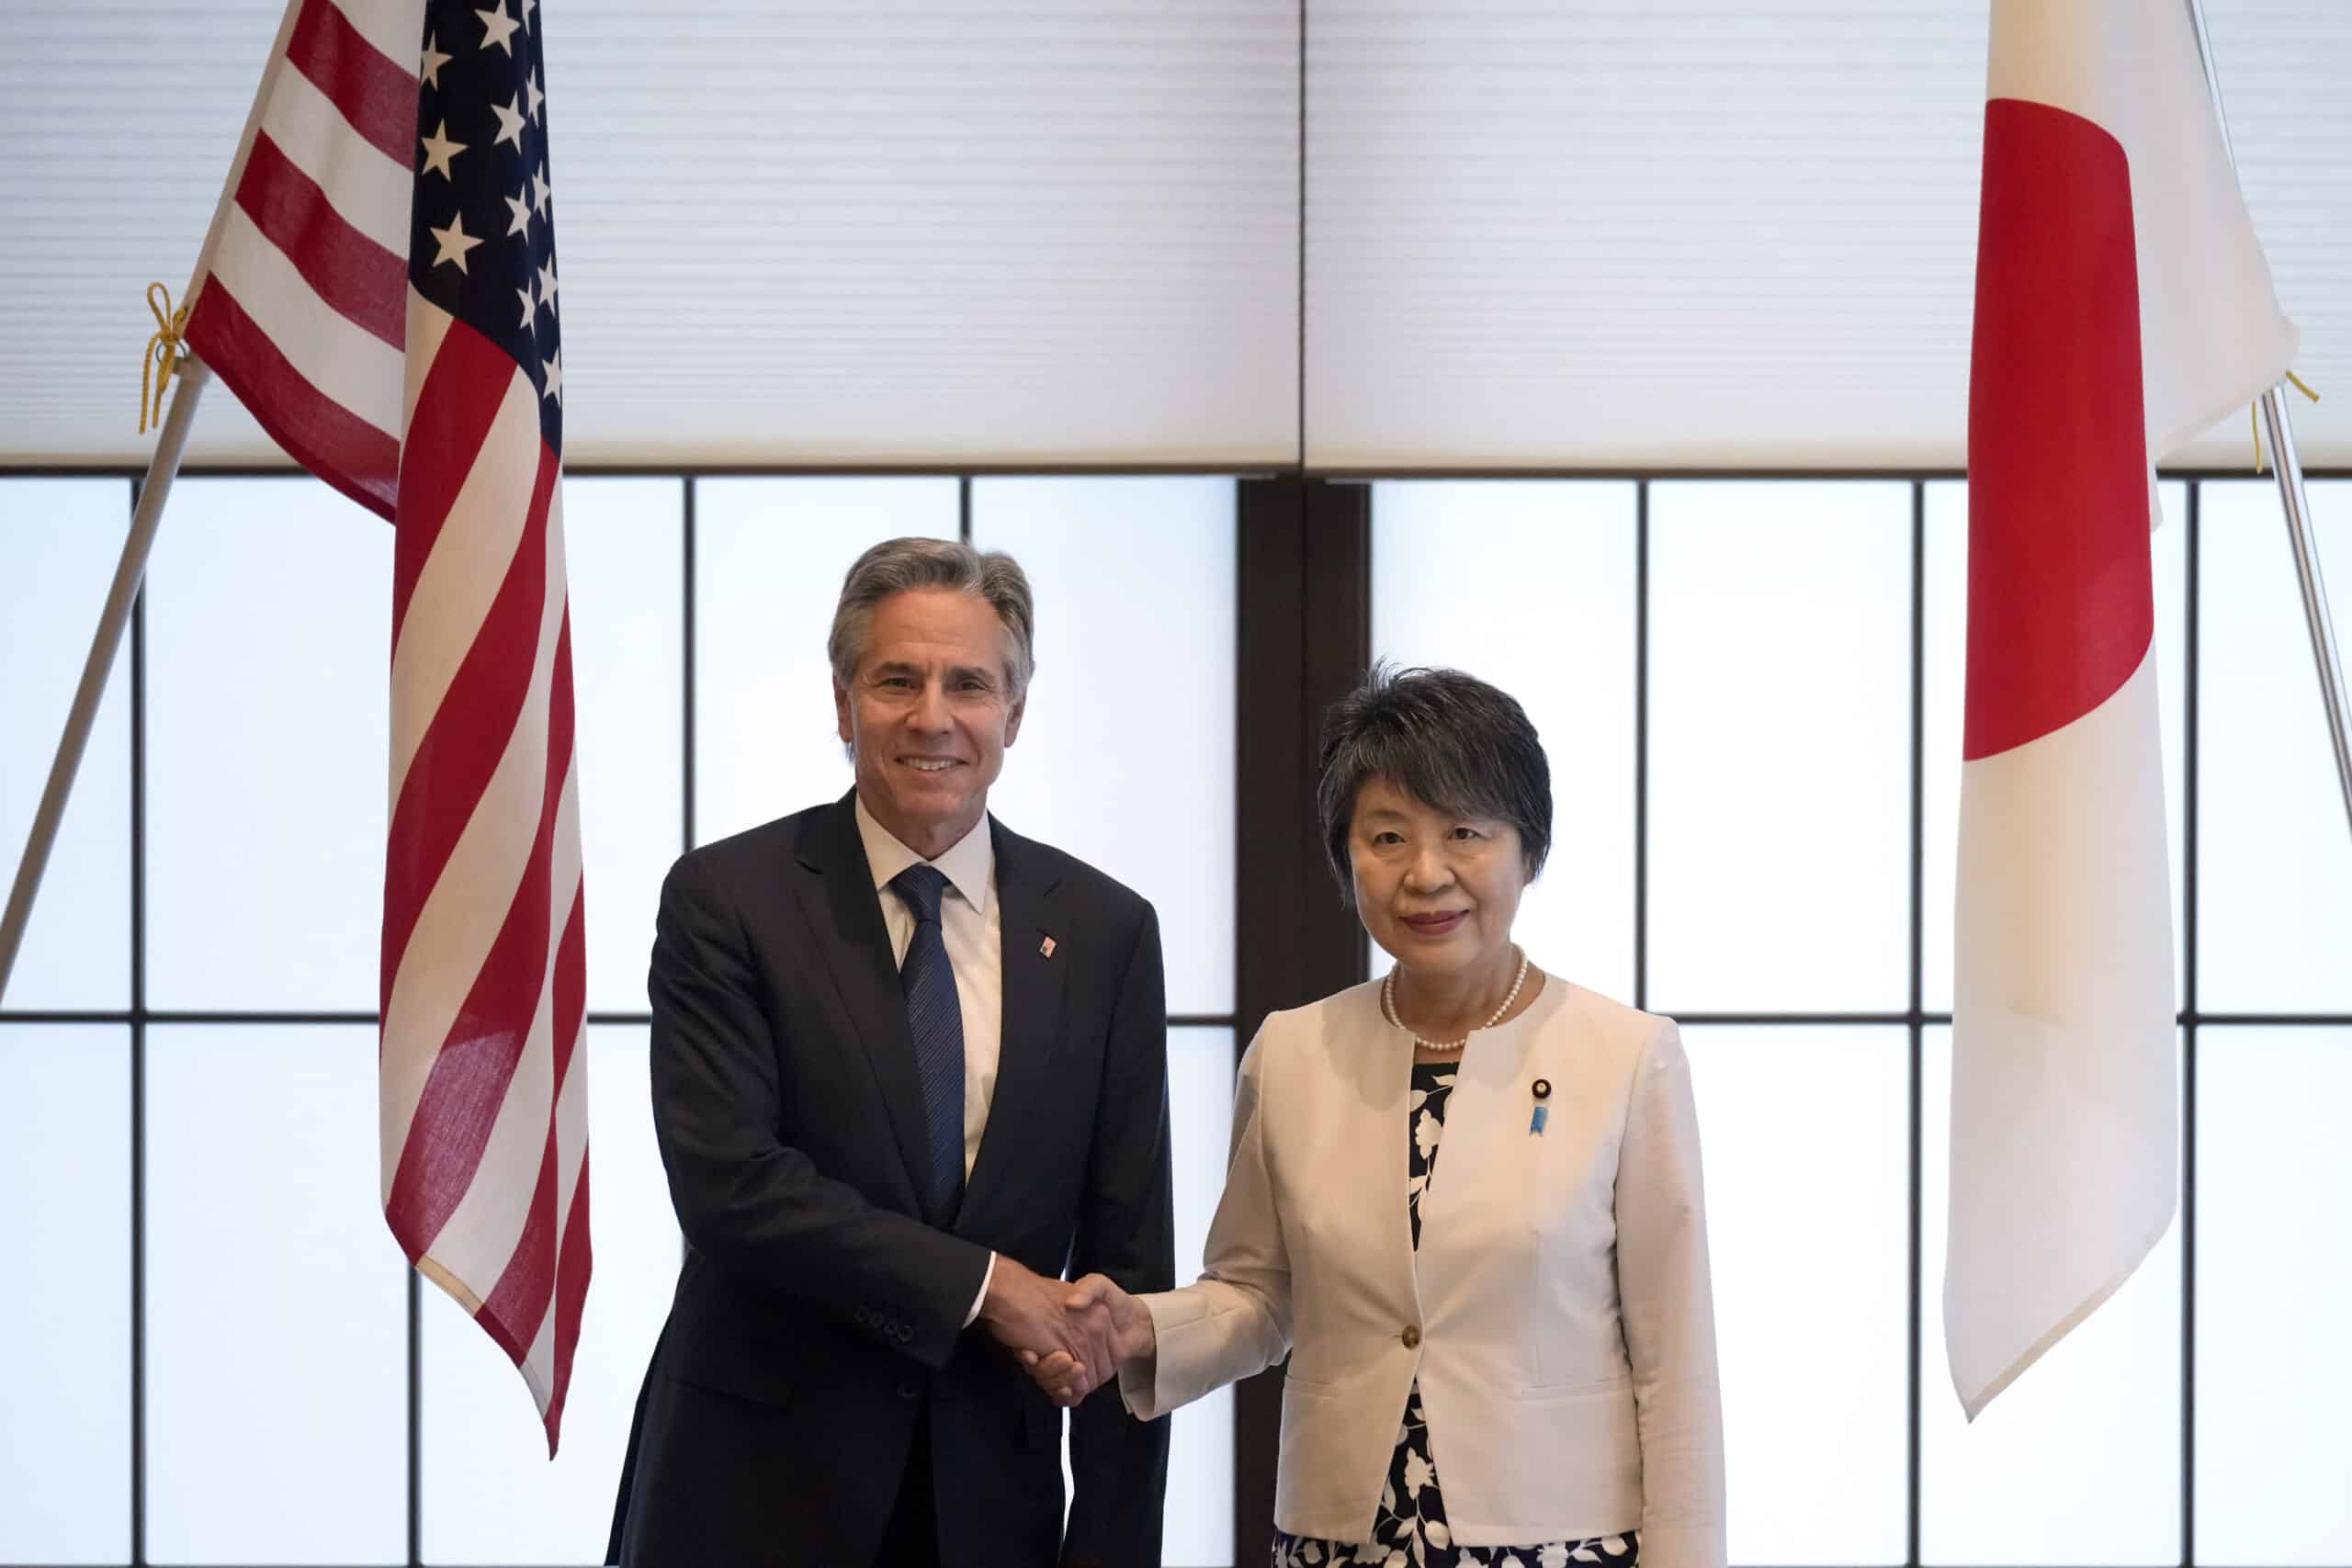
379,287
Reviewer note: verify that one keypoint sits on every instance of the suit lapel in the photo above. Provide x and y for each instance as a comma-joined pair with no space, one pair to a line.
1375,1123
845,915
1490,1163
1031,1028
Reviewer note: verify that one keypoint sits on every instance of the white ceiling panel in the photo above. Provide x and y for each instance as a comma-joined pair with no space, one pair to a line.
1720,233
1676,233
923,231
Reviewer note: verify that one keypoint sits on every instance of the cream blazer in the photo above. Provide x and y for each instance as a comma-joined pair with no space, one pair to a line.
1559,1312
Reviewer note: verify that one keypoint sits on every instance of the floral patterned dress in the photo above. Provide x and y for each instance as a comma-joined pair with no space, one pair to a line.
1410,1530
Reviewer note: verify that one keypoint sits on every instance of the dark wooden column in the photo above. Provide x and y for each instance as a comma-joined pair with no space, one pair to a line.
1306,637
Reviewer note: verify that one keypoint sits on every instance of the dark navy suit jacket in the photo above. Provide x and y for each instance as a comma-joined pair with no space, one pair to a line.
817,1319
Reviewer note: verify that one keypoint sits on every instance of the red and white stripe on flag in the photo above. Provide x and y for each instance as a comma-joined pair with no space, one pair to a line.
2122,307
448,425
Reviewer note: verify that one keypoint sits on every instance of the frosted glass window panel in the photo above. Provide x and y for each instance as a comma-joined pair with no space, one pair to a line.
2273,864
1807,1158
1945,648
770,555
1529,585
1125,754
276,1312
2273,1270
268,638
1944,687
2078,1461
627,569
1199,1527
65,1314
59,541
1780,771
490,1493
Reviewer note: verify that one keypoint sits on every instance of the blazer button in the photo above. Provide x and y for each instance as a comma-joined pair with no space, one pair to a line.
1411,1336
907,1391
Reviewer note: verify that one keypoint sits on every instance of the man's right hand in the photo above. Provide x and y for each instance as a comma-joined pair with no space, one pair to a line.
1129,1336
1035,1317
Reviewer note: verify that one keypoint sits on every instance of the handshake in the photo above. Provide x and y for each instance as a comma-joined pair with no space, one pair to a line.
1072,1337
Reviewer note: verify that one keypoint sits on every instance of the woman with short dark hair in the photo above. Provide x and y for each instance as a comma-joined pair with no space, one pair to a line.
1465,1198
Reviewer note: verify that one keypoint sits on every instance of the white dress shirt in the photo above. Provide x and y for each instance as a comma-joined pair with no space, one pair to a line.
972,925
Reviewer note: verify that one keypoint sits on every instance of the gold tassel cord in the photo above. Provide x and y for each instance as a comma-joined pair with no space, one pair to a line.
164,355
2253,416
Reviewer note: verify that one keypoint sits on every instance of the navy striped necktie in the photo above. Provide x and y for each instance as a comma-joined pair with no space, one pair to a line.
935,1018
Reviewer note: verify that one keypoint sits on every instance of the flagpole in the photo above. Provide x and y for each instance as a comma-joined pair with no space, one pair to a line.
2290,471
2279,430
161,468
128,573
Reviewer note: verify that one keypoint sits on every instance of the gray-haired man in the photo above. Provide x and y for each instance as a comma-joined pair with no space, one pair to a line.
907,1066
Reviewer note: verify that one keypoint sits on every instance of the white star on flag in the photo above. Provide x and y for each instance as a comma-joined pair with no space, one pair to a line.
454,242
434,60
529,310
547,286
498,28
510,122
537,98
540,189
520,204
439,149
555,378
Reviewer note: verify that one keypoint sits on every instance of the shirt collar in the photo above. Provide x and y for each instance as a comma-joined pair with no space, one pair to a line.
969,864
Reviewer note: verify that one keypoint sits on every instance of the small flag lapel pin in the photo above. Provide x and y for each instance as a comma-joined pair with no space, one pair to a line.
1047,947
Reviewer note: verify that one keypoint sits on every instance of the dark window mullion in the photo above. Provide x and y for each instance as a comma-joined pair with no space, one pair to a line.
415,1423
686,665
138,1067
2188,752
1641,742
1917,1026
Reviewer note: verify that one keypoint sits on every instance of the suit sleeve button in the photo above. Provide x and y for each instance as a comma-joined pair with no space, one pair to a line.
1411,1336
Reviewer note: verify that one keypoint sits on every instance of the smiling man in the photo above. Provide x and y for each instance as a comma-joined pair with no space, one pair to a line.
907,1066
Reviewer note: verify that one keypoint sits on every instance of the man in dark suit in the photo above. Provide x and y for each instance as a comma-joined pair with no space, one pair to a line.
909,1069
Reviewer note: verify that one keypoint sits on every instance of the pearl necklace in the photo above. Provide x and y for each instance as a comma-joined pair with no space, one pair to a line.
1388,1010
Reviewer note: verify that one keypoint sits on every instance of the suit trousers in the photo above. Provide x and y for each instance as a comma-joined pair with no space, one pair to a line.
910,1538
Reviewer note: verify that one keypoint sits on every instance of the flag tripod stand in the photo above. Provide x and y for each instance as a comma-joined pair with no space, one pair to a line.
2278,431
128,573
